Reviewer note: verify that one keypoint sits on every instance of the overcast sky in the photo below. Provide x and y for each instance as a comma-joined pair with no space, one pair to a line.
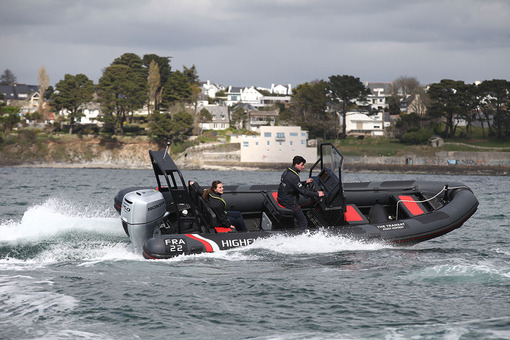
260,42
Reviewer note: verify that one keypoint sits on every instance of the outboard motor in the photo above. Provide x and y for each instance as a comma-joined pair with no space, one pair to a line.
142,211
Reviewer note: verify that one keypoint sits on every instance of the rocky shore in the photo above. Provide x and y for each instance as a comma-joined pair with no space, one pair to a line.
133,154
237,166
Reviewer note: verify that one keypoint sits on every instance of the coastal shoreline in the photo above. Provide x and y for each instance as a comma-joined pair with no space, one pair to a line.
237,166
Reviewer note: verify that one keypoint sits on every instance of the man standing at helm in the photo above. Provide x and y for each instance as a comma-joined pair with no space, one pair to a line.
291,187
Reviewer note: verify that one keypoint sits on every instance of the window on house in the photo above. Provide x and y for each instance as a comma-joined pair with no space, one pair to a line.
267,142
267,134
291,143
246,144
293,134
303,142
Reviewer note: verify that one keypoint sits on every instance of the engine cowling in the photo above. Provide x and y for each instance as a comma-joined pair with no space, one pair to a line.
142,211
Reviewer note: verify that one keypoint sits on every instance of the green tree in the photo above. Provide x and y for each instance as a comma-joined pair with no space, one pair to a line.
309,103
49,91
344,91
133,61
166,127
70,94
165,71
9,118
191,74
177,89
182,125
138,72
495,102
408,129
449,100
238,117
204,116
121,92
8,78
468,104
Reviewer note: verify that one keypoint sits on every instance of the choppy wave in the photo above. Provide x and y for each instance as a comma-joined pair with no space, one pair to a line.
55,217
58,231
27,300
481,272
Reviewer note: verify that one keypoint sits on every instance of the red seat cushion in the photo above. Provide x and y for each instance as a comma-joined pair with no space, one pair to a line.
352,214
411,205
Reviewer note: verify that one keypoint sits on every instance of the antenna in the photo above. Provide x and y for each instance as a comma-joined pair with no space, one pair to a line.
166,149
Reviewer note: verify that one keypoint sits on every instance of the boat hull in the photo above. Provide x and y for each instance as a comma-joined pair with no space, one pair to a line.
402,232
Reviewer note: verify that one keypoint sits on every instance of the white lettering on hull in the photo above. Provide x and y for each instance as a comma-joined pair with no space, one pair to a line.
236,243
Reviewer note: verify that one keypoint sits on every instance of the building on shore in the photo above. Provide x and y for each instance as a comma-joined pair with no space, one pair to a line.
276,144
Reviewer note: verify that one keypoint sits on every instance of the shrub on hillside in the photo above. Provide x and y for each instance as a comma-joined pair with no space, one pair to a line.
417,137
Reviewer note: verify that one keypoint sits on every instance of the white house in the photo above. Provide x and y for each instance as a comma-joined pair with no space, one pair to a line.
91,114
245,95
233,95
26,97
358,123
378,93
276,144
281,89
250,95
210,89
220,119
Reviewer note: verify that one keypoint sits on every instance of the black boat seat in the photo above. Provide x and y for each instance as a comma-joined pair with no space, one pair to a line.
204,211
281,217
271,199
410,205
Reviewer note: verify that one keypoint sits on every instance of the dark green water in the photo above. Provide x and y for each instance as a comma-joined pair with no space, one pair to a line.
67,271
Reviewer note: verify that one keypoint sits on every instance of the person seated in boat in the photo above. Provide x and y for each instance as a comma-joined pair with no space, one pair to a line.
226,218
291,187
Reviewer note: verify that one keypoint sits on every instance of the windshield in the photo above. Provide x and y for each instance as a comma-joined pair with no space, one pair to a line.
330,158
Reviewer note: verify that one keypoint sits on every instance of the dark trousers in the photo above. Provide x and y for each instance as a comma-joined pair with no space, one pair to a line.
237,220
298,215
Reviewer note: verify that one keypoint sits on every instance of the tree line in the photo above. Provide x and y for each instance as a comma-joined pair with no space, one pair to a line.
132,82
128,84
438,108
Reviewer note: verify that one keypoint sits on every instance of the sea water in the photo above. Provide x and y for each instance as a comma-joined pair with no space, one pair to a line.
68,271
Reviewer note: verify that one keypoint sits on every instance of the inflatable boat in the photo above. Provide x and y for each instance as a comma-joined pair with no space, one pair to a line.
173,219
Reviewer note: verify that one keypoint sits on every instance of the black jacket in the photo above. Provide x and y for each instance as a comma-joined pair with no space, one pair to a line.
291,187
219,206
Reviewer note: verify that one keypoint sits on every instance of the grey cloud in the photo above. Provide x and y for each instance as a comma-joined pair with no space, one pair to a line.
264,41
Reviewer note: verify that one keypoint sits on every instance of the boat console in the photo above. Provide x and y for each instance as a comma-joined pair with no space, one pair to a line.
328,210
